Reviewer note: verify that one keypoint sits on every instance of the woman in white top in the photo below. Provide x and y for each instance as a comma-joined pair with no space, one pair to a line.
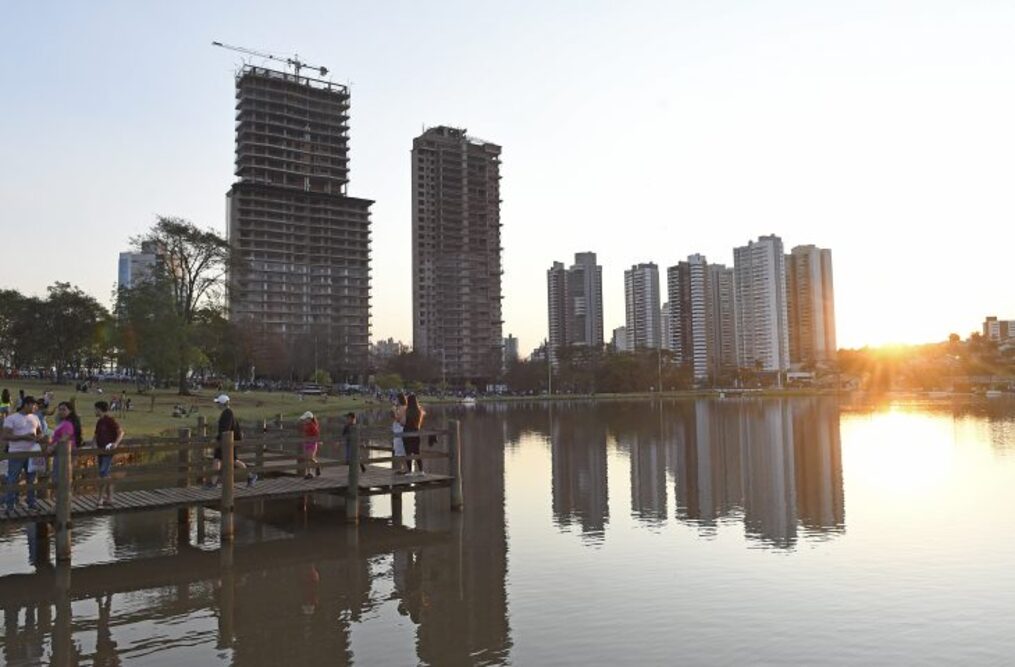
397,426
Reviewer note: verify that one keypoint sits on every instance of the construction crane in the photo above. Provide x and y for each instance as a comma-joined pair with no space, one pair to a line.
293,62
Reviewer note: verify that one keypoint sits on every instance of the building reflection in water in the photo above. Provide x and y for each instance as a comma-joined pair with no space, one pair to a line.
578,449
775,465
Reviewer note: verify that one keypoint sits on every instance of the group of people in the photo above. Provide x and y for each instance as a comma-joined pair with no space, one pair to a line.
27,431
407,417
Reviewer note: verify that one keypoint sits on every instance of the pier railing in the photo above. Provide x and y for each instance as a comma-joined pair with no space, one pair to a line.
158,464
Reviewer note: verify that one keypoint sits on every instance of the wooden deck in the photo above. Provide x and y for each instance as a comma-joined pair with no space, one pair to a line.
335,481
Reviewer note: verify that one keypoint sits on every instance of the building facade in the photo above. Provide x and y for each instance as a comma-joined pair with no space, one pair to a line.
723,320
619,341
761,314
136,266
456,253
302,288
810,302
510,351
642,306
690,325
998,330
575,304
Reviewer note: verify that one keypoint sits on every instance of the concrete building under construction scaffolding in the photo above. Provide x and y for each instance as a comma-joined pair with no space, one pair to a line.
302,291
456,267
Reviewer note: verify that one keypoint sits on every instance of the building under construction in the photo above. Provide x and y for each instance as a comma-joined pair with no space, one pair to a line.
302,287
456,268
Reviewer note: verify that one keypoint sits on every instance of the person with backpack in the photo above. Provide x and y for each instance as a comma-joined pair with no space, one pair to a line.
227,423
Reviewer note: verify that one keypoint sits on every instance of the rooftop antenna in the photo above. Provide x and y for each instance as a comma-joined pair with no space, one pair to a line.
293,62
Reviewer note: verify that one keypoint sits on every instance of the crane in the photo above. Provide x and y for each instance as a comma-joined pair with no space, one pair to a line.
293,62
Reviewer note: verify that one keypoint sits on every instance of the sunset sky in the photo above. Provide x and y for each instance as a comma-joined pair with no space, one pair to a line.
643,131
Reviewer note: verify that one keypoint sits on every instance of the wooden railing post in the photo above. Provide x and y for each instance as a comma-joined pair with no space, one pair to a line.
278,421
259,455
64,493
183,479
228,477
202,426
455,463
352,490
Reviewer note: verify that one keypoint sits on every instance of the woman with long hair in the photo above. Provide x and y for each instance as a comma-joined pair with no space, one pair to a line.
69,428
414,415
397,426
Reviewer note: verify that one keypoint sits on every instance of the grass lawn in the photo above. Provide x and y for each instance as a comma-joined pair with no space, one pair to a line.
144,419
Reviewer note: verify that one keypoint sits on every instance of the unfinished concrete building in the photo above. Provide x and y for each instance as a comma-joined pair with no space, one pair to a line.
456,267
303,290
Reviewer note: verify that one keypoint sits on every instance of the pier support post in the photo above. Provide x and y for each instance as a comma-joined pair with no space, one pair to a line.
64,495
455,463
183,479
352,490
228,477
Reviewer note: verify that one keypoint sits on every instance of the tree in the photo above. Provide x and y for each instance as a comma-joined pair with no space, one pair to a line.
192,264
72,319
149,329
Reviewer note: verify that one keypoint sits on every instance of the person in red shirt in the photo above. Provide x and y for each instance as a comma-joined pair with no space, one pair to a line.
311,430
108,435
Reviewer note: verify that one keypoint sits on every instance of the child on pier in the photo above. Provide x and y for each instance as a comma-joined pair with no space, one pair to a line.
311,430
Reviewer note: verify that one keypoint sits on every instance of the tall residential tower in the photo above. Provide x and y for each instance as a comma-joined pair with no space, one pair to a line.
456,267
303,286
575,304
642,307
761,320
810,299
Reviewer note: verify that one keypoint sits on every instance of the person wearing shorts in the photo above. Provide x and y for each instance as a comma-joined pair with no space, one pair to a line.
108,435
397,426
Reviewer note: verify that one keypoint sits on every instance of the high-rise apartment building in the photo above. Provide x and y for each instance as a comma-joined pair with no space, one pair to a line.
456,264
761,313
723,320
510,351
998,330
575,304
641,301
134,267
619,340
304,284
810,301
690,325
666,333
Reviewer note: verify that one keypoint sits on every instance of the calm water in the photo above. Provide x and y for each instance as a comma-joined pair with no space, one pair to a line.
781,531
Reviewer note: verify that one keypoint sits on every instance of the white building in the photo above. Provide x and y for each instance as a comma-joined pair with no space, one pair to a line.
134,267
642,306
689,328
761,313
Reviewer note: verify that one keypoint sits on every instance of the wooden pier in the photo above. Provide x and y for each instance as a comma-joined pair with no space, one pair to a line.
178,480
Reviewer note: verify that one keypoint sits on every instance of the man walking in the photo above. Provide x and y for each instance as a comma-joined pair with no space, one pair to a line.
228,423
23,434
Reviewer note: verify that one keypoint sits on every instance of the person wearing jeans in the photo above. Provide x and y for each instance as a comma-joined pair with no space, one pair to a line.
23,433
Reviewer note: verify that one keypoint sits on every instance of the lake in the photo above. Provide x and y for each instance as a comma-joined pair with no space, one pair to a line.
780,531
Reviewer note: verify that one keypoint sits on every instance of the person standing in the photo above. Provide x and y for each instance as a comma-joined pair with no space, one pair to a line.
5,403
397,426
347,433
68,428
227,423
414,415
311,431
108,436
23,434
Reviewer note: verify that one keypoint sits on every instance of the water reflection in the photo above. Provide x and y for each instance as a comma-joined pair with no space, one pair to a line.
775,464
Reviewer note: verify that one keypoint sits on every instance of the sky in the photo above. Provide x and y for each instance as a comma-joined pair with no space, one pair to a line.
642,131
